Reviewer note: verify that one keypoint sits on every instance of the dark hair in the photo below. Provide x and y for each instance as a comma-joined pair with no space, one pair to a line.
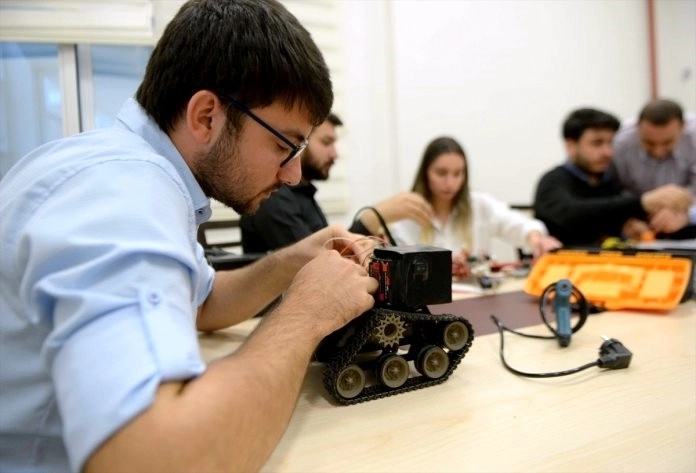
582,119
334,119
253,51
661,111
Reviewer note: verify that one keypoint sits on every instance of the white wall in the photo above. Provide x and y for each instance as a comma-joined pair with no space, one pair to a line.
368,137
675,24
500,76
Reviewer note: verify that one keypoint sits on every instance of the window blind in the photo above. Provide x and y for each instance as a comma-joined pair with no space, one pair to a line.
142,22
62,21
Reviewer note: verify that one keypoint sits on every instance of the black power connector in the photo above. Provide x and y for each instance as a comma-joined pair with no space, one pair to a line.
613,355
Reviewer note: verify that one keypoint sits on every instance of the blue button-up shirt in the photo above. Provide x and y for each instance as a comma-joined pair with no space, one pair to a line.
101,280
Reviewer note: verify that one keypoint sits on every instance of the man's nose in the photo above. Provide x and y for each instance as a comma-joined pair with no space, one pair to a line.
608,150
291,173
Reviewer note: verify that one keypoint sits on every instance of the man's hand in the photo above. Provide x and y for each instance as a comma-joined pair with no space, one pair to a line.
541,244
335,282
670,196
634,229
335,288
334,237
668,221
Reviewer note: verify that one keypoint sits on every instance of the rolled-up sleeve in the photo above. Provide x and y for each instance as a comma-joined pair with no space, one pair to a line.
107,371
119,288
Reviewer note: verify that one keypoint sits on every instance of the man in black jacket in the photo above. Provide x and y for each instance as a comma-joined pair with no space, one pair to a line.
581,201
292,213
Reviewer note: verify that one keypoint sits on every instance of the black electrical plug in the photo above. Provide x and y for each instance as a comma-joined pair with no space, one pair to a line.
613,355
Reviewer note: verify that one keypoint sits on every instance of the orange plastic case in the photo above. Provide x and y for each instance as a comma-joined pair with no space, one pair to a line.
614,280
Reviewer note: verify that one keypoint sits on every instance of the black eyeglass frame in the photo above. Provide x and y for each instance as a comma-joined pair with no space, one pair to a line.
295,150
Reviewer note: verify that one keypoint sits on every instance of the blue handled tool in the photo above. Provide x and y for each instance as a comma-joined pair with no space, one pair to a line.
562,308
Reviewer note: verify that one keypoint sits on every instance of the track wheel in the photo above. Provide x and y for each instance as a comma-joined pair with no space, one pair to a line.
432,362
393,371
455,335
350,381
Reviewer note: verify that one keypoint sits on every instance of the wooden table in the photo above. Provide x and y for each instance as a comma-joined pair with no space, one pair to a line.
485,419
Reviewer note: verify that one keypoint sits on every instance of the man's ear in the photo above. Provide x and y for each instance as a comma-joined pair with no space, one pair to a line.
205,116
571,147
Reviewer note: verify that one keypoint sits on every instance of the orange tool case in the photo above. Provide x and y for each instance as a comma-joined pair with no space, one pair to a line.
614,280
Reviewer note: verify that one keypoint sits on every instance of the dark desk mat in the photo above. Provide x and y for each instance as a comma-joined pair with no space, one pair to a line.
514,309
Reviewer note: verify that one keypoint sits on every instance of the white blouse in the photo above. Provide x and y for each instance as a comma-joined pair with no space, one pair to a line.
491,218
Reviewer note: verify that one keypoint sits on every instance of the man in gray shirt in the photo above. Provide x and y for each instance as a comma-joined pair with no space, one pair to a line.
659,148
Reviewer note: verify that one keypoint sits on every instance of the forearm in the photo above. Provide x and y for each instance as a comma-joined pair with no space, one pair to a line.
404,205
368,224
231,300
228,419
577,212
510,225
231,417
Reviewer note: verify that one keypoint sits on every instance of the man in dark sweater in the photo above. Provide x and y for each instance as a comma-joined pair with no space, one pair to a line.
292,213
581,201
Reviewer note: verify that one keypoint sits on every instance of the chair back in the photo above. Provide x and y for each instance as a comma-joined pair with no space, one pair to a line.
221,240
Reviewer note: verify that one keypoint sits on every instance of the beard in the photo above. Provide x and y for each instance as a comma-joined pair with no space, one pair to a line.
311,170
222,177
587,166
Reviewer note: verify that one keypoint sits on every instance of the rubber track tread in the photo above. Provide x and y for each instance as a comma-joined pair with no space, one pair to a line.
367,325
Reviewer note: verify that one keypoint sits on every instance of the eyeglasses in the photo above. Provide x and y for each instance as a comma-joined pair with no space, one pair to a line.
295,150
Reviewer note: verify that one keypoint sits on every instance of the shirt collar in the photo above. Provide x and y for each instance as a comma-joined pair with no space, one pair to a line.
134,118
305,187
583,176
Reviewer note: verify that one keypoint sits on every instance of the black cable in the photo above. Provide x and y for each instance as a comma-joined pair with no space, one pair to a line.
387,233
613,355
502,328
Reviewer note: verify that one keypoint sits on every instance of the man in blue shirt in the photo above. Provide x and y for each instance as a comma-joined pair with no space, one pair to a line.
103,284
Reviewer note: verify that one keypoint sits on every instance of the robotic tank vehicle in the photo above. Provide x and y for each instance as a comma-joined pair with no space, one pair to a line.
398,345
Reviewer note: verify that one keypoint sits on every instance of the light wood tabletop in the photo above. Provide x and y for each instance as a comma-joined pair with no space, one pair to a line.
485,419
